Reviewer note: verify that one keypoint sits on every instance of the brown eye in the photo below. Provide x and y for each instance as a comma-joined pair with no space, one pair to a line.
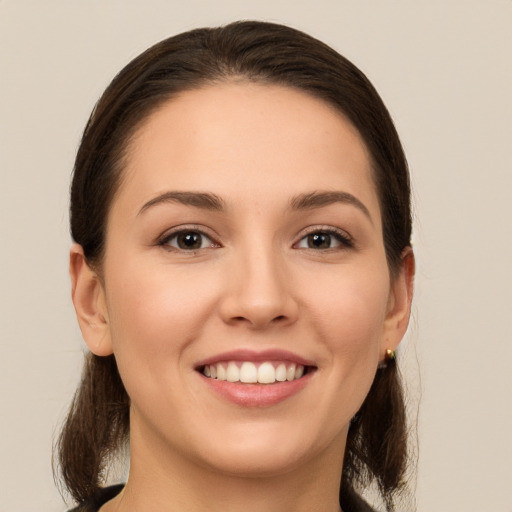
324,239
188,241
319,241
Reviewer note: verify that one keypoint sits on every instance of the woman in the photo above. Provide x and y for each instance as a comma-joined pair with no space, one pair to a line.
242,275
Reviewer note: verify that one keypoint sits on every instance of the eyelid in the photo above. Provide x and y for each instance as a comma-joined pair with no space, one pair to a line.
163,240
341,235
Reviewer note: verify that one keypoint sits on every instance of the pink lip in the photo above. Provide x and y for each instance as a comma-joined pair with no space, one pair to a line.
257,395
256,356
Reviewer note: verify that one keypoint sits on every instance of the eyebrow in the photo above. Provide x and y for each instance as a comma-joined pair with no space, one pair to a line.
212,202
320,199
203,200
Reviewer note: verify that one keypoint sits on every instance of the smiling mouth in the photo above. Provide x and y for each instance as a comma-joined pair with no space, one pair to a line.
265,372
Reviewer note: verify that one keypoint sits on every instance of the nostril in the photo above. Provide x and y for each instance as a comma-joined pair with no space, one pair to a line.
277,319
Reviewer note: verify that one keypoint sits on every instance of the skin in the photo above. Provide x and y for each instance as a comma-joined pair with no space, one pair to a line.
257,283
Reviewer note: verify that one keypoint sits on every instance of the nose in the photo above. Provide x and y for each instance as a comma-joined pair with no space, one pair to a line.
259,291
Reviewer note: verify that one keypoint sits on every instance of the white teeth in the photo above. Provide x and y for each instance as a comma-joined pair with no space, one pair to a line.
290,372
251,373
221,372
248,373
281,373
232,373
266,373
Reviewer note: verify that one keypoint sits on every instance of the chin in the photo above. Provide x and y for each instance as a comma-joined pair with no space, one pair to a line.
253,462
267,450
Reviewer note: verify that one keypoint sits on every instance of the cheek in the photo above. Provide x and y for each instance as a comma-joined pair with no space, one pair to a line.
349,312
155,313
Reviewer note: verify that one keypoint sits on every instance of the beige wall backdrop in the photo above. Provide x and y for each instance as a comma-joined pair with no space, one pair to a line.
444,68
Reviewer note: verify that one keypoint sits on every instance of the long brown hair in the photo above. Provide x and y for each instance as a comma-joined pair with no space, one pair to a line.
98,421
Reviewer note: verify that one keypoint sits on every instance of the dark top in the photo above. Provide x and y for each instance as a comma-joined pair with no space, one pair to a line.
350,502
98,499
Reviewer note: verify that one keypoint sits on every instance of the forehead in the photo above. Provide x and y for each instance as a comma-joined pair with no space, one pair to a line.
241,136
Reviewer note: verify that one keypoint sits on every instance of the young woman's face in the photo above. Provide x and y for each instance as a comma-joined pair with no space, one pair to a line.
245,242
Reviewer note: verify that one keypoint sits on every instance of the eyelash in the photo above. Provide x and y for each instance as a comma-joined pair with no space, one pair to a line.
166,239
344,240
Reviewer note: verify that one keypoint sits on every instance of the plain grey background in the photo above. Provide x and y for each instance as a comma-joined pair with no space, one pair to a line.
444,69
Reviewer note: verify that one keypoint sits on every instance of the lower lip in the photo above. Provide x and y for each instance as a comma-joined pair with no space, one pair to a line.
257,395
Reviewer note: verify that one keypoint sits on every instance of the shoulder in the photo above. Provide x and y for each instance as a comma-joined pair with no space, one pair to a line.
98,499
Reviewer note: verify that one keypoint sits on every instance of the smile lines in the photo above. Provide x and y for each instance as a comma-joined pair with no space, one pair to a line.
248,372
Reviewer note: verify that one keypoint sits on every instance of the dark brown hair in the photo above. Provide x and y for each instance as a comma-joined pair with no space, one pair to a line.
98,421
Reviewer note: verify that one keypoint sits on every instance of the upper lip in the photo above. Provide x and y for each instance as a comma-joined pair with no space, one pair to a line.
256,356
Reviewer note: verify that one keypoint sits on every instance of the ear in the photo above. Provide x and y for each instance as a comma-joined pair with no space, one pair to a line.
399,303
90,305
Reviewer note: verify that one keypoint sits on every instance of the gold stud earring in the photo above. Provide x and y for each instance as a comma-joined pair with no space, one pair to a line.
389,356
